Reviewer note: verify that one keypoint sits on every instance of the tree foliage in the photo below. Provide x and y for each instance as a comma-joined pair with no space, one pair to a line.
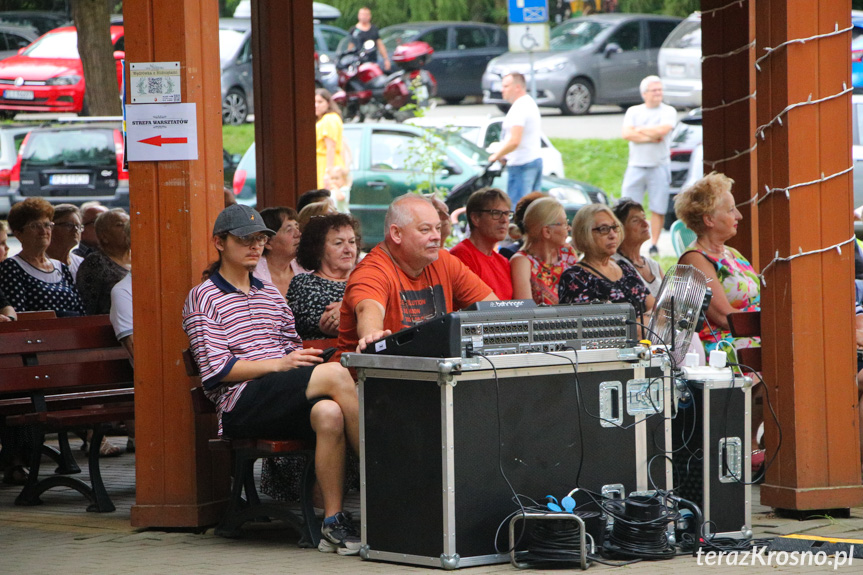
680,8
389,12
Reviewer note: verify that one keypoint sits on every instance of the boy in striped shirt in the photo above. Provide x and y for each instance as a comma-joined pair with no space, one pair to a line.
254,368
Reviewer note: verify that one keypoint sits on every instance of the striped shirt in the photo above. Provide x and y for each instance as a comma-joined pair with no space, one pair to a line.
225,325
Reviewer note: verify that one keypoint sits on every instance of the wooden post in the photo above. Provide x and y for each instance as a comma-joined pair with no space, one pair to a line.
728,75
807,311
283,47
173,207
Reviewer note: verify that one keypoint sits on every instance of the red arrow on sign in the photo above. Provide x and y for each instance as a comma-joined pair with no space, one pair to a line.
159,140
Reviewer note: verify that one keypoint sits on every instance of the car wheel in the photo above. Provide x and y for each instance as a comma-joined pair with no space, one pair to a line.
503,108
235,109
453,101
578,98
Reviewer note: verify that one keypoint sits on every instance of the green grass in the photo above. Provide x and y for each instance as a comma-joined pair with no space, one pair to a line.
598,162
237,139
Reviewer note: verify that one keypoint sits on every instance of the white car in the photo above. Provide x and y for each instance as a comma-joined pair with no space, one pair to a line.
484,131
680,64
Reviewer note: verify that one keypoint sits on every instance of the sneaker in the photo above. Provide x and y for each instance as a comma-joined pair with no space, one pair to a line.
654,251
338,535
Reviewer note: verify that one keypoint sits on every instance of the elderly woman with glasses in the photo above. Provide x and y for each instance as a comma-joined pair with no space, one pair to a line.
66,235
31,280
537,266
597,233
278,265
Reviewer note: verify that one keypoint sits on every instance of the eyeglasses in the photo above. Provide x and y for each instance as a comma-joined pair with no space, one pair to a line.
496,214
605,230
70,226
37,226
249,241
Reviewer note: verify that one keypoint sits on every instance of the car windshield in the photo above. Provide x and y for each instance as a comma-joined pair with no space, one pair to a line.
456,144
572,35
229,43
59,45
686,35
397,36
69,148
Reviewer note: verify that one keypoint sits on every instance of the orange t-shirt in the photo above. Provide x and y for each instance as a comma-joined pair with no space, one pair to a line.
444,286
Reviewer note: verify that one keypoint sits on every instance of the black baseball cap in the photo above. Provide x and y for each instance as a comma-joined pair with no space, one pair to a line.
240,221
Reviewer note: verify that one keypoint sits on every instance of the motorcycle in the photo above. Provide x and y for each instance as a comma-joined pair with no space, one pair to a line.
366,92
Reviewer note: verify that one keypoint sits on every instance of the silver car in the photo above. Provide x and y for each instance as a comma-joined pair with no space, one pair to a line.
596,59
680,64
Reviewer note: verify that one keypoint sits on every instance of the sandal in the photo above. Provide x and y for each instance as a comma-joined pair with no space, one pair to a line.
15,475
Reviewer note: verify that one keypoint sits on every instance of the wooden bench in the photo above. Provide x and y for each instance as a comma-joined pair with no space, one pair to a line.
244,504
61,375
747,324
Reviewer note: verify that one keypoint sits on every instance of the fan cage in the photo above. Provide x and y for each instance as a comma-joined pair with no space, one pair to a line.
675,313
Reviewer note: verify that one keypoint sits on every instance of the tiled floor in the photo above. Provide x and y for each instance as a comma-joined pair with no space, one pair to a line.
60,537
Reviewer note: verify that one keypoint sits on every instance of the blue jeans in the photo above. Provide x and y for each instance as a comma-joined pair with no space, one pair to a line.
523,179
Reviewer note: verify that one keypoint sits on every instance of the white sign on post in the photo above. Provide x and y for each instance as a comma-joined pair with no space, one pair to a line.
528,37
161,132
155,82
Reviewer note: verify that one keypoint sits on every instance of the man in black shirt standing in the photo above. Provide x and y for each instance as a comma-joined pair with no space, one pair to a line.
365,30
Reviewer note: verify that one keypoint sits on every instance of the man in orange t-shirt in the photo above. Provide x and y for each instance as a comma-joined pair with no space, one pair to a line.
406,279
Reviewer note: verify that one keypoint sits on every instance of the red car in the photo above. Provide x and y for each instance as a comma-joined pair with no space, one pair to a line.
47,75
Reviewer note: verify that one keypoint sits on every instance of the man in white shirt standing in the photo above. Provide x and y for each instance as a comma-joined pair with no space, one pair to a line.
521,139
647,128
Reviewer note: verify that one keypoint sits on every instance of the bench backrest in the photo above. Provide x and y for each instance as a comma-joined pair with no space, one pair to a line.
61,354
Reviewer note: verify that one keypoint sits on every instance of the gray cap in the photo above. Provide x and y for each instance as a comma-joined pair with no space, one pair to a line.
240,220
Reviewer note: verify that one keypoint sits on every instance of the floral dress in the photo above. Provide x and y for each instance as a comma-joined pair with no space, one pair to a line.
743,291
544,276
581,284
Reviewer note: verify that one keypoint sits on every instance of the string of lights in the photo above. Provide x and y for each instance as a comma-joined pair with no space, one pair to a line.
734,52
770,51
787,190
777,259
713,11
809,102
725,104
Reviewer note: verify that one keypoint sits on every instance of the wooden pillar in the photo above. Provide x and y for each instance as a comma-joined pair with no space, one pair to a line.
173,207
807,304
728,78
283,61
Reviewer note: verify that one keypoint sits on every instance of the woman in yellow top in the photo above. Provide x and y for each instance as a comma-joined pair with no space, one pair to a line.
328,133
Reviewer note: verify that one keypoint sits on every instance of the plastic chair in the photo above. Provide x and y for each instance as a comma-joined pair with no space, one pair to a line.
681,237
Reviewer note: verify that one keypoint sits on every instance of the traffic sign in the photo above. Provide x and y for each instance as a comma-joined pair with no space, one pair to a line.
528,11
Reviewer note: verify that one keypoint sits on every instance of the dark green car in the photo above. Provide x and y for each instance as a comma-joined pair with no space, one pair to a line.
389,160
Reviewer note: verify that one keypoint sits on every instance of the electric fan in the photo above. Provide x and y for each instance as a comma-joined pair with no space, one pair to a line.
676,313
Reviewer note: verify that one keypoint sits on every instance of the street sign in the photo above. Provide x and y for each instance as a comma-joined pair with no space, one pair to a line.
161,132
528,11
528,37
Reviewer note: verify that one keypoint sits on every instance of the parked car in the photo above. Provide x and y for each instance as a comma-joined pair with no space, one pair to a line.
320,11
14,37
43,21
857,147
686,141
485,131
384,166
857,52
11,136
48,75
235,55
461,52
72,163
680,64
596,59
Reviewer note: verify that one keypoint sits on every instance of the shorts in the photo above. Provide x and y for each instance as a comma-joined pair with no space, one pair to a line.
655,181
273,407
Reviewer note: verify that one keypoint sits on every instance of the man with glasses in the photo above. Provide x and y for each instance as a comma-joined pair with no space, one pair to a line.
89,242
647,128
406,279
488,216
254,368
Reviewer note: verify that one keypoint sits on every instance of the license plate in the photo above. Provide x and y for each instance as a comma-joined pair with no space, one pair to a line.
69,180
422,93
18,94
675,70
